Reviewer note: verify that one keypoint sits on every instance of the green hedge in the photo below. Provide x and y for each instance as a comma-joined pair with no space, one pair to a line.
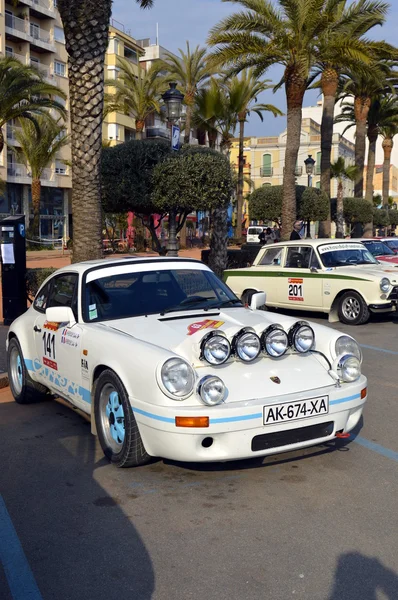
34,279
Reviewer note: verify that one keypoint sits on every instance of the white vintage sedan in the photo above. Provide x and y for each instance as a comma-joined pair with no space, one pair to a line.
168,363
337,277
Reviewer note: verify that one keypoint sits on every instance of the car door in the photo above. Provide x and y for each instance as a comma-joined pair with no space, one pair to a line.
300,286
58,348
266,270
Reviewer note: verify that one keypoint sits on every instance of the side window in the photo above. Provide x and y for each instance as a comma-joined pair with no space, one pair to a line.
314,262
272,256
41,299
298,257
63,292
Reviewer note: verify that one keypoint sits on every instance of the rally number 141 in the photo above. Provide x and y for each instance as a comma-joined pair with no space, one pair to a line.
49,344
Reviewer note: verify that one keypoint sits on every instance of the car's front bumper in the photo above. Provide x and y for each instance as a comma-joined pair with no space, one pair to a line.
235,428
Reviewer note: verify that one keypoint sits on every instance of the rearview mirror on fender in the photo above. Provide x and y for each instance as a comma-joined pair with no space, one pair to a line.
60,314
257,300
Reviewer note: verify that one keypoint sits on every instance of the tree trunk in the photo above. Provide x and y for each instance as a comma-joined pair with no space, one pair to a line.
218,243
329,84
172,246
295,89
373,133
36,192
1,140
361,108
340,211
187,131
139,128
239,195
388,145
86,24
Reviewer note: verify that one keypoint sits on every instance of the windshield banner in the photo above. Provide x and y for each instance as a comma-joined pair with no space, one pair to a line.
342,246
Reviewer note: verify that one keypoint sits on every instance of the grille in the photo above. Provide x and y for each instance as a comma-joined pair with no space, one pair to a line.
292,436
394,294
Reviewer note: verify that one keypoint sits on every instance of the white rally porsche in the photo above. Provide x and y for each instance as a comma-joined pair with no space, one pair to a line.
168,362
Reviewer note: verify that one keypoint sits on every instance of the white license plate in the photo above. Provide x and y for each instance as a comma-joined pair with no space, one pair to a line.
291,411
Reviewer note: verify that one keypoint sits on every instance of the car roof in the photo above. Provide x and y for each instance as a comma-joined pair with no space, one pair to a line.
89,265
316,242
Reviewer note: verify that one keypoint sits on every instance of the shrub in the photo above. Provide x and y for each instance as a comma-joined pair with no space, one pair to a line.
35,278
236,259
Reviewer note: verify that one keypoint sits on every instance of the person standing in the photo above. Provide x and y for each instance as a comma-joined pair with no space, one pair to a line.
295,235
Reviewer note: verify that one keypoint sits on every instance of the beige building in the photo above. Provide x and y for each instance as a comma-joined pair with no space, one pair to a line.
32,32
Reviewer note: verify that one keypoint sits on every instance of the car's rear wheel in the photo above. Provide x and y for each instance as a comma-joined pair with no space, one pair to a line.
117,428
23,388
352,309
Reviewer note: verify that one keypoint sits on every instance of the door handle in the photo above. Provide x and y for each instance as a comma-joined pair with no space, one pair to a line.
36,329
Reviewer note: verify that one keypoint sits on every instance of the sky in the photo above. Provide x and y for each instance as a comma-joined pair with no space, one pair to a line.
181,20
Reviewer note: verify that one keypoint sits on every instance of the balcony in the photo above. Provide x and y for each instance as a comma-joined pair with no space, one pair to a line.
298,171
20,57
19,173
266,171
44,70
18,29
42,7
11,130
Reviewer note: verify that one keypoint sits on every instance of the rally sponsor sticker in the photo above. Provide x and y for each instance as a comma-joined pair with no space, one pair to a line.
50,363
51,326
70,338
206,324
342,246
296,289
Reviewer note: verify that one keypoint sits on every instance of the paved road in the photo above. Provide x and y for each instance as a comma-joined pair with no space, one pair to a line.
313,525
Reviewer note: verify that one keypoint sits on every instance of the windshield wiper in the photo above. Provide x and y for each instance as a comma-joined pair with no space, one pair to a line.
223,303
182,306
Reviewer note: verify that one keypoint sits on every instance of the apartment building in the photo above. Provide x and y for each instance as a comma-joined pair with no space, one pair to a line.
378,181
117,127
31,31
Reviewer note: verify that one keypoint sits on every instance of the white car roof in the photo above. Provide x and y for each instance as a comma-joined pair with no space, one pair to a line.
105,263
316,242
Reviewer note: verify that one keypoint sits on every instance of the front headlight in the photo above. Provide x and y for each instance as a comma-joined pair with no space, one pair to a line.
215,349
302,337
212,390
385,285
275,341
247,345
349,368
177,378
347,345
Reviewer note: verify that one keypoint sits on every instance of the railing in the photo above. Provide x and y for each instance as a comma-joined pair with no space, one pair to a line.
19,57
297,171
11,130
48,4
16,23
17,170
40,34
28,28
266,171
41,68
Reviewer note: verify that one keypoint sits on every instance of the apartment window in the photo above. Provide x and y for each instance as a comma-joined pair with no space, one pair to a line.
9,51
60,167
113,131
59,68
267,165
9,19
318,163
115,46
129,134
34,31
130,54
59,35
55,3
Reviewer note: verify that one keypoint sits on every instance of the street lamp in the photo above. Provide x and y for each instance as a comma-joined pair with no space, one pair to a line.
309,168
173,101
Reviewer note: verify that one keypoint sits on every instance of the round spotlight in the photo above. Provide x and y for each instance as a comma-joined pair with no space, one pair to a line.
247,345
275,341
212,390
302,337
215,349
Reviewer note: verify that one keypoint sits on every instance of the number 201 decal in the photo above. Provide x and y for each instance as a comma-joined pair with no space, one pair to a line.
296,289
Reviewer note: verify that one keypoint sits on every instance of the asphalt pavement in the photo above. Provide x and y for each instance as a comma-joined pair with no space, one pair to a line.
318,524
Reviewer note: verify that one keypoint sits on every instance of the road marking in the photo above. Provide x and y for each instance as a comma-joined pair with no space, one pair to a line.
20,578
386,452
379,349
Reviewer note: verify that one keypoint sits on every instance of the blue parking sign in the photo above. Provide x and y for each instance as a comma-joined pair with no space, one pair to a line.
175,137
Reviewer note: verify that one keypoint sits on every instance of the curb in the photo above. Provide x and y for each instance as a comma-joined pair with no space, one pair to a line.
3,380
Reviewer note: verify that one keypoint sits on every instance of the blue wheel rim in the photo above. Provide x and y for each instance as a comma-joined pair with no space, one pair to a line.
115,414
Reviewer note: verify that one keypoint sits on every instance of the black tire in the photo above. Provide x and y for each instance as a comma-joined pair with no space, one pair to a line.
126,452
352,309
23,388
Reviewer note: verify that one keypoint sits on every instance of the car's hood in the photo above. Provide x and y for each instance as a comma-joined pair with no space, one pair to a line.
393,260
365,272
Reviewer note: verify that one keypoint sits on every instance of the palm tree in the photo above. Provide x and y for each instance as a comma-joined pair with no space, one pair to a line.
243,93
39,144
340,171
190,70
211,114
388,133
24,94
86,25
347,26
137,95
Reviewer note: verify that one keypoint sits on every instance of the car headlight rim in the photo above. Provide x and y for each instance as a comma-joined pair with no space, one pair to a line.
266,340
207,390
345,344
349,368
168,378
238,344
208,353
385,285
294,334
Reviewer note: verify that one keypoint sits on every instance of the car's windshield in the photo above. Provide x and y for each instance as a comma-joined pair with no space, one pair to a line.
378,248
393,244
345,254
132,293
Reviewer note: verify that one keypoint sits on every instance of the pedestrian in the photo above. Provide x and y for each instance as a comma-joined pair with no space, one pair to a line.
295,235
261,236
277,234
269,236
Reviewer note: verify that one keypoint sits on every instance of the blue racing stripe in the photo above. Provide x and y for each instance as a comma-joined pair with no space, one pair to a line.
379,349
153,416
234,419
348,399
29,364
19,576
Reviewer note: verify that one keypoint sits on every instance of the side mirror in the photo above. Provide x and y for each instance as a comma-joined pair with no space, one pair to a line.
61,314
257,300
314,270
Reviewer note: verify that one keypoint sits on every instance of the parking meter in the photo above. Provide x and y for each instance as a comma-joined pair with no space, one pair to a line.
13,267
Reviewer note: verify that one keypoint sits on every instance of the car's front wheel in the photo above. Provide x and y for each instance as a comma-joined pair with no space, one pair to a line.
353,309
116,425
23,388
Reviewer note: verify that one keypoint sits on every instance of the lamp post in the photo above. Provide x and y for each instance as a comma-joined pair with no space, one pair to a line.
309,168
173,101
